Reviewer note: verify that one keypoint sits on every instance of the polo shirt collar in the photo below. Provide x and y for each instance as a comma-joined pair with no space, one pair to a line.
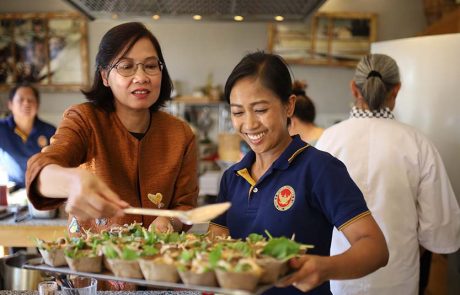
12,125
246,162
11,122
294,148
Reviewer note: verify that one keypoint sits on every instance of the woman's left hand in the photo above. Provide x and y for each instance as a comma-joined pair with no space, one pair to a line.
311,272
161,224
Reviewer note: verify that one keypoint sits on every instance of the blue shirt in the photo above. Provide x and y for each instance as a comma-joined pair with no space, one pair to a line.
16,148
305,192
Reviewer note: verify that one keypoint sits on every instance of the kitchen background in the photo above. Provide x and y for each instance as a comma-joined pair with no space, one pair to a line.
200,52
194,50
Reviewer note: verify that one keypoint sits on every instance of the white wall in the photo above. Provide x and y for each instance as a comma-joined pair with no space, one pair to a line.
194,49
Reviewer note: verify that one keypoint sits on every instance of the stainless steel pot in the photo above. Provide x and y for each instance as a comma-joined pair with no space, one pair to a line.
17,278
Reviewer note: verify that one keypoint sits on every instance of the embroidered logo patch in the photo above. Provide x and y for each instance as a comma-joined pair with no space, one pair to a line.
156,199
284,198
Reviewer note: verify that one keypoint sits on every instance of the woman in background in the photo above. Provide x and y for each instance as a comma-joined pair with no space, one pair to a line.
119,149
22,133
288,188
401,176
302,121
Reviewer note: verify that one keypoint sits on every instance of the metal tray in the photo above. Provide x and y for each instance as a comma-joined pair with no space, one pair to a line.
37,264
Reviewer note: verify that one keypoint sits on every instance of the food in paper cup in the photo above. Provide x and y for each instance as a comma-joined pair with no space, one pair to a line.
84,255
196,267
125,268
123,260
159,269
273,269
274,257
199,279
85,263
244,275
52,252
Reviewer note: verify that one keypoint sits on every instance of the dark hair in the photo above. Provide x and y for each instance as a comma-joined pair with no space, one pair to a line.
118,39
25,85
304,107
375,76
270,69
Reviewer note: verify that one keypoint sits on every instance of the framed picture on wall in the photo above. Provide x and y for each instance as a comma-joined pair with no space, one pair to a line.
329,38
47,49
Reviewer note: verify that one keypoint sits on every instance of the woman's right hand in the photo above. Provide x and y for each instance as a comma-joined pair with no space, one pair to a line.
89,197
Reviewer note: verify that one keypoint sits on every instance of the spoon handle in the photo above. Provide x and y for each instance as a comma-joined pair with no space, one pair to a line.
154,212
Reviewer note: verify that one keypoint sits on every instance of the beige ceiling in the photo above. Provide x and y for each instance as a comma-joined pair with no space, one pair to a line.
251,10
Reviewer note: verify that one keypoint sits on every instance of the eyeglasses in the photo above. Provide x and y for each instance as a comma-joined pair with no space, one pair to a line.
127,67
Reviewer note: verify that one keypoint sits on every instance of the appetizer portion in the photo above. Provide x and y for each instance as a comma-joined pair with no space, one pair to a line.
132,251
83,254
52,252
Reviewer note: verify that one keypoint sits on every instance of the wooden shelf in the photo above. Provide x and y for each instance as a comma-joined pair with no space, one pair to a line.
351,32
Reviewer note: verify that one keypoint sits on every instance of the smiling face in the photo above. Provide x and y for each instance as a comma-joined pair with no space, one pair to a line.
260,117
139,91
24,104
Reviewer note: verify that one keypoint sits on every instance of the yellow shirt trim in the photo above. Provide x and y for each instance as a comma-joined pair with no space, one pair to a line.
246,175
297,152
354,219
21,134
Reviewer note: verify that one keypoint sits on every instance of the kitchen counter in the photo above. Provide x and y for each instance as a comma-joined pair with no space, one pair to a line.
2,292
22,234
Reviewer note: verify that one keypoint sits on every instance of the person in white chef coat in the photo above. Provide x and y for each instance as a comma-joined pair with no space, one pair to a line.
402,177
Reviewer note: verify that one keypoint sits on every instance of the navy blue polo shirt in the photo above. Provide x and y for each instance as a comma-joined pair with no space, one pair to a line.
305,192
16,148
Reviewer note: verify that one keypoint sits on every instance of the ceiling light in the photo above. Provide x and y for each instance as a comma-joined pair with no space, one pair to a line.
238,18
197,17
279,18
155,17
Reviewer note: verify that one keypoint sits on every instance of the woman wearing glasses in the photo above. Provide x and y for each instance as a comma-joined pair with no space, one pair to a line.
119,149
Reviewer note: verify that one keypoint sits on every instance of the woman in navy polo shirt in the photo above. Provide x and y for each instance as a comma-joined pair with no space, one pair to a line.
287,187
22,133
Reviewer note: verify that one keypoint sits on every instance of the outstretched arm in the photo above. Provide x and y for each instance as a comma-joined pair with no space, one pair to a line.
368,252
87,195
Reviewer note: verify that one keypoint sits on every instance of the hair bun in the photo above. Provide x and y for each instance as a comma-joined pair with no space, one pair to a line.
299,87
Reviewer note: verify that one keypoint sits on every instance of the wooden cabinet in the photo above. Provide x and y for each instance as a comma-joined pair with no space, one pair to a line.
333,39
49,49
